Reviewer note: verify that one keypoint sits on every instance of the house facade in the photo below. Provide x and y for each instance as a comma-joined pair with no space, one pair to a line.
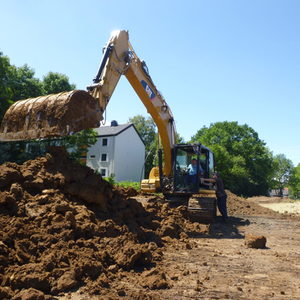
119,152
277,192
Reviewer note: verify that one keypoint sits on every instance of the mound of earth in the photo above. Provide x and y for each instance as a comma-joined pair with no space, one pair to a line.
240,206
62,227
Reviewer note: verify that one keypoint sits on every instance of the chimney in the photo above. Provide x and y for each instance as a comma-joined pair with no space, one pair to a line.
114,123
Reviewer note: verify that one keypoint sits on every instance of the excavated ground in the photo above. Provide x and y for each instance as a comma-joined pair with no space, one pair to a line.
65,233
63,227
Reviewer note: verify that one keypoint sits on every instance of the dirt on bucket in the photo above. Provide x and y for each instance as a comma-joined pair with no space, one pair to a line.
50,116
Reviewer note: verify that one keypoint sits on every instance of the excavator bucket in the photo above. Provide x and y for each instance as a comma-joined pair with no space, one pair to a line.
50,116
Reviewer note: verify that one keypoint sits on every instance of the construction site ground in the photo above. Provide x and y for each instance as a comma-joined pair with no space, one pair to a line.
65,233
220,266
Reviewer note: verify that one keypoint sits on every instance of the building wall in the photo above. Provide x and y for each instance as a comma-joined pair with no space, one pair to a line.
129,156
125,156
95,153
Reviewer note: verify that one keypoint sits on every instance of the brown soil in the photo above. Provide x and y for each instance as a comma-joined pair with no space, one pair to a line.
65,233
51,115
254,241
64,227
242,206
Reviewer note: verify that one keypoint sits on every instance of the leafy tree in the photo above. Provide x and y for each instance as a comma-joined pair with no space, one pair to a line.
23,83
78,143
147,130
179,138
16,83
282,171
145,127
55,83
5,88
294,183
242,158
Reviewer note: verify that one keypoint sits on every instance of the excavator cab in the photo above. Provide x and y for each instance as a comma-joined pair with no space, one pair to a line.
191,162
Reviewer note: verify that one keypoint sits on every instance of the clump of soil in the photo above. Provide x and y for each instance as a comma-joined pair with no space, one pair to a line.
62,227
255,241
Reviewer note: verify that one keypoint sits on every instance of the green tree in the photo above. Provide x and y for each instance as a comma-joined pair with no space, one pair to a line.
78,143
282,171
147,130
5,89
145,127
294,183
55,83
16,83
23,83
242,158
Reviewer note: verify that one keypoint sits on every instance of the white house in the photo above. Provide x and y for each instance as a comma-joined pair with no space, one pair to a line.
119,151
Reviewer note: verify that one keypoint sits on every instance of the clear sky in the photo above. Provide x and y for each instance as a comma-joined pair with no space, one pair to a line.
213,60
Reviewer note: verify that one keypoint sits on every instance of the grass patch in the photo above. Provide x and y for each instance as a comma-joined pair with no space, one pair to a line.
126,184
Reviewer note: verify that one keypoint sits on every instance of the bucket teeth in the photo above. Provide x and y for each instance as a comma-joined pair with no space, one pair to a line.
50,116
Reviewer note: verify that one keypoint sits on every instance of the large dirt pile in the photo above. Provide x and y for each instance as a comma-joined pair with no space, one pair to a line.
63,227
240,206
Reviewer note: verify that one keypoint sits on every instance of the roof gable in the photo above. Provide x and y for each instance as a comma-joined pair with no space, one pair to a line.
104,131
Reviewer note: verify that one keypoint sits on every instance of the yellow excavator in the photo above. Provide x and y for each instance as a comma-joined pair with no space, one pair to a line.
69,112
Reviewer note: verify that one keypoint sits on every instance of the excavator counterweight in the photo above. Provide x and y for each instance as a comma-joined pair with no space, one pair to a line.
50,116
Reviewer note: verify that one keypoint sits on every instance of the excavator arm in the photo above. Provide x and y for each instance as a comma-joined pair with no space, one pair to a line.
69,112
119,58
65,113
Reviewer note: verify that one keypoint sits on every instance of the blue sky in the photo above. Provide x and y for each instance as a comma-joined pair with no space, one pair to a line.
213,60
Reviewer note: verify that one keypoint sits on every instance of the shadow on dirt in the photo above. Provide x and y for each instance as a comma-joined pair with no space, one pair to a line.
227,230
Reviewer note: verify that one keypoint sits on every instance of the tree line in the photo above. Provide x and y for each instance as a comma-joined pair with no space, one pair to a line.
246,164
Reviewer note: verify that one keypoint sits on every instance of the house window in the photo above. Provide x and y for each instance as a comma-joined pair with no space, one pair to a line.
104,142
92,156
103,172
103,157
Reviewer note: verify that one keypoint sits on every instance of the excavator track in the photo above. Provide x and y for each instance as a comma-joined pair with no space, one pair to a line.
202,208
49,116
